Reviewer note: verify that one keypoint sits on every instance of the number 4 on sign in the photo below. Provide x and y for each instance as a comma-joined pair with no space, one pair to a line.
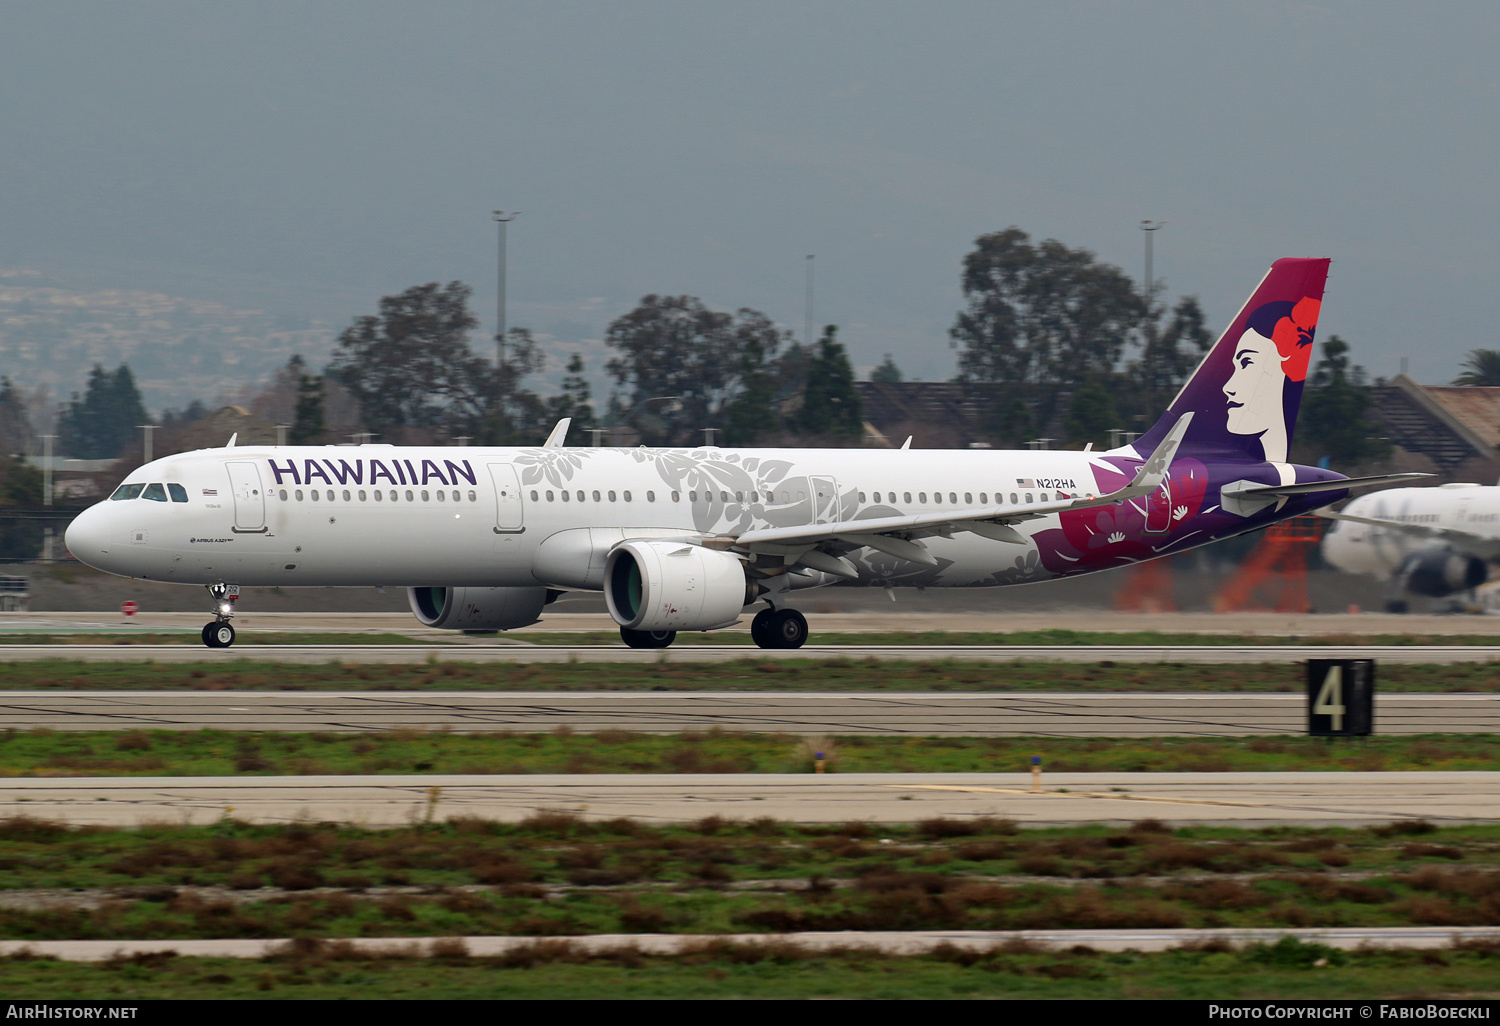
1330,701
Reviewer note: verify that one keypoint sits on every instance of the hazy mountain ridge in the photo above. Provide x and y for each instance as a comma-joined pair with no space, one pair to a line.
180,349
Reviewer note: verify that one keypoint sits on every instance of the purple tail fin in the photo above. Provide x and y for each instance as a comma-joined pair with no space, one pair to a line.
1245,393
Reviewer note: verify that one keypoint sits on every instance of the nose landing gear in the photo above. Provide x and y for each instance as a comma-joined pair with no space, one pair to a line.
220,633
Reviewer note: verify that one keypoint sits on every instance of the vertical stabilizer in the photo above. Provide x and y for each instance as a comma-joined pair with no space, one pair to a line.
1244,395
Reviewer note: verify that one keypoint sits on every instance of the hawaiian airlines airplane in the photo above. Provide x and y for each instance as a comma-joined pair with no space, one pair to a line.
692,539
1424,541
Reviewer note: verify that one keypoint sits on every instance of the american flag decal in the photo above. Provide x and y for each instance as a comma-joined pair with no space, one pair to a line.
1025,482
210,491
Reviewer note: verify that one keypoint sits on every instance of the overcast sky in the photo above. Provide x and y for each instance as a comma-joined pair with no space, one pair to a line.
308,157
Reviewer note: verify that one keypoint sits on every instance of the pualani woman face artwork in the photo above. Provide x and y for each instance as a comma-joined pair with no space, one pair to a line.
1274,350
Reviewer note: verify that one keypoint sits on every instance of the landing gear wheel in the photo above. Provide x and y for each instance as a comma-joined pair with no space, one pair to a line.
760,631
647,639
786,628
218,635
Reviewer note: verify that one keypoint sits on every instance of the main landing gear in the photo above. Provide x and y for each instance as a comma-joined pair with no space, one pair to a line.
779,628
647,639
220,633
771,628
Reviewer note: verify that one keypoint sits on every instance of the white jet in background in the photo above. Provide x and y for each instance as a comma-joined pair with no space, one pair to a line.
1434,542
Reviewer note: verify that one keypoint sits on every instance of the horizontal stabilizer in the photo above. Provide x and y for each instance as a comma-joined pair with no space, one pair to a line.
1312,487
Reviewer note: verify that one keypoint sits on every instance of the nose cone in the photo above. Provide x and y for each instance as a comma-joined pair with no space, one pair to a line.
88,537
1342,551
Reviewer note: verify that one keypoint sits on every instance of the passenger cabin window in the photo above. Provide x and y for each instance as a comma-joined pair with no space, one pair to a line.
155,492
127,491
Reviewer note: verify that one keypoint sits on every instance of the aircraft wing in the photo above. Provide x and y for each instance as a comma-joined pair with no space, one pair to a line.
898,535
1475,544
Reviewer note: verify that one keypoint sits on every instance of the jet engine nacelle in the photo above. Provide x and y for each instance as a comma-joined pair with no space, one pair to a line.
674,586
477,609
1442,573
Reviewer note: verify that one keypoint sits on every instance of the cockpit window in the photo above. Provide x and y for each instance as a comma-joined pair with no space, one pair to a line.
178,493
155,492
127,491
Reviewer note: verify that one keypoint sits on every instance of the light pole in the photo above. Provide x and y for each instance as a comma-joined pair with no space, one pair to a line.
502,219
47,441
146,446
1150,228
807,311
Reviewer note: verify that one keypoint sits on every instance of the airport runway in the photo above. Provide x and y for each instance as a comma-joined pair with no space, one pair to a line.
417,654
896,617
1225,799
966,714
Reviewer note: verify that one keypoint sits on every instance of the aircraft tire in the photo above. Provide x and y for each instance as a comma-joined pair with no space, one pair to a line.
218,635
760,631
786,628
647,639
207,641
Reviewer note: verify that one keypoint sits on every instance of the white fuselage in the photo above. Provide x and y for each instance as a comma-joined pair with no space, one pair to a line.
521,517
1470,509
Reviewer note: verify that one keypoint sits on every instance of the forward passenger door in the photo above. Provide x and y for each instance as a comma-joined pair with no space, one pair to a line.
249,498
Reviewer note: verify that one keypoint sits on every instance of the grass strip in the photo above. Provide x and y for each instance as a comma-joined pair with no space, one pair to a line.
812,674
1288,969
167,753
555,875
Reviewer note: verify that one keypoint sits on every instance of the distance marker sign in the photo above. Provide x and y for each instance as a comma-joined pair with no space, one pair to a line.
1340,697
